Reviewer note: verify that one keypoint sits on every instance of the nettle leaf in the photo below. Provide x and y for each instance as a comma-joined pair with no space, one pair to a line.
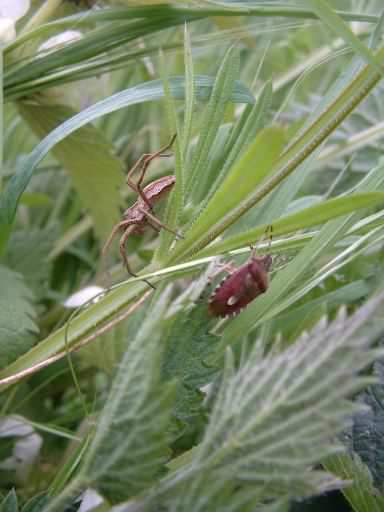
367,432
361,493
130,446
17,328
188,347
27,253
89,159
274,418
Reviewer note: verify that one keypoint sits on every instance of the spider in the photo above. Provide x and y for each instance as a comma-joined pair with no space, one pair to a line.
140,215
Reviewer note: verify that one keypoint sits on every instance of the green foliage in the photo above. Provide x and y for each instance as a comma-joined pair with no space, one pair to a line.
366,436
9,503
17,327
189,345
273,418
360,493
96,173
130,446
147,92
264,398
27,253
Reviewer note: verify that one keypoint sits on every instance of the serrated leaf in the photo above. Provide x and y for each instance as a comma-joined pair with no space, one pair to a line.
88,157
130,443
276,417
17,328
188,346
361,493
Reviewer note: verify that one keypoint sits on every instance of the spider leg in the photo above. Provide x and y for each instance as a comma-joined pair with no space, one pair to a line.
144,162
123,241
108,242
155,223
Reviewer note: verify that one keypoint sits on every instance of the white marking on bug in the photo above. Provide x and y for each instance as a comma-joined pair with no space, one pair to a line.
232,300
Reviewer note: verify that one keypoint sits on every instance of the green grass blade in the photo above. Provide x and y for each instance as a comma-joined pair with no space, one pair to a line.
189,93
304,219
214,115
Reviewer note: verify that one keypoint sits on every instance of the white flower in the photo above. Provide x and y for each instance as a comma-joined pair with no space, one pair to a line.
83,296
77,95
10,12
61,39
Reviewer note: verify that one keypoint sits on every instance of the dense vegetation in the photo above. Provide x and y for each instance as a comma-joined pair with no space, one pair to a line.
127,392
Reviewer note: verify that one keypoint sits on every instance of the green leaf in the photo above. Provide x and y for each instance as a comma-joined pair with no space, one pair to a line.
27,253
188,346
88,157
130,443
149,91
17,328
361,493
36,504
189,92
276,417
213,115
9,503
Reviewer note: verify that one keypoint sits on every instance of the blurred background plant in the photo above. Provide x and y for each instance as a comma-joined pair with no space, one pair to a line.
139,399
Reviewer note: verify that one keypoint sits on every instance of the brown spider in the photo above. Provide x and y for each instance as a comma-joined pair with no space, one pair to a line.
140,215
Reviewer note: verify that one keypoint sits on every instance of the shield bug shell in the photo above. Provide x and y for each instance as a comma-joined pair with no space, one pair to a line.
240,287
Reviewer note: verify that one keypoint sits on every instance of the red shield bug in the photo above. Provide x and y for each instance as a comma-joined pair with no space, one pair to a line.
241,286
140,215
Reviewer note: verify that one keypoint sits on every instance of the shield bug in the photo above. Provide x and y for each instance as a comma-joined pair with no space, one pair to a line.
241,286
140,215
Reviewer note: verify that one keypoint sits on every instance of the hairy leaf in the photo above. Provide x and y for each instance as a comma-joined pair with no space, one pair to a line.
130,443
276,417
361,493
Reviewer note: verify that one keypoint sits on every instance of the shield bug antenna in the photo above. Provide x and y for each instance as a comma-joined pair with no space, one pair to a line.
140,215
242,285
